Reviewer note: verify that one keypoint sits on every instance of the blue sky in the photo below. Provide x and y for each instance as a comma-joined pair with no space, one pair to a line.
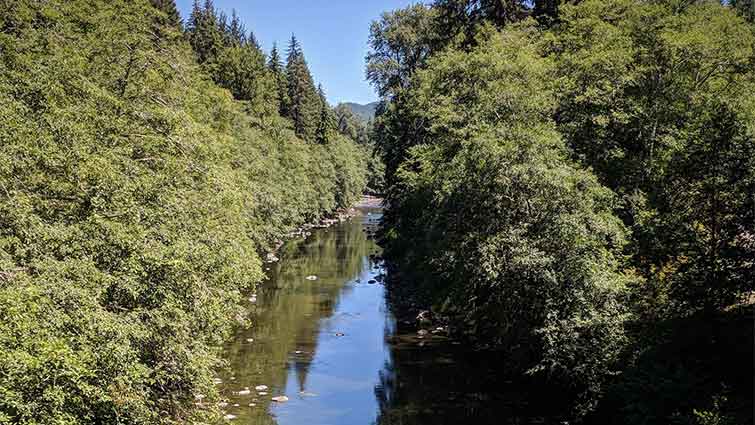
333,34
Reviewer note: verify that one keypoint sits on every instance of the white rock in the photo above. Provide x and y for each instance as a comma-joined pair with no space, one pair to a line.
261,388
229,417
244,392
280,399
311,277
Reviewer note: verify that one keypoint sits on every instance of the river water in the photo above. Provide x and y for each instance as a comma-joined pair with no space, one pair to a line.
334,349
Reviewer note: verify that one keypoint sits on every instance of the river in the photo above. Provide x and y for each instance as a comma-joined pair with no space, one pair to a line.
332,346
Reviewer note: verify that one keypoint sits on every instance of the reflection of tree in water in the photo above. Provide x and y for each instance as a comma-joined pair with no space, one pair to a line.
286,320
433,381
445,385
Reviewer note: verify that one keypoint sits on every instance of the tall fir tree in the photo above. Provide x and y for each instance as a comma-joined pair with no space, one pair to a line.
170,11
304,103
275,66
325,122
204,31
236,31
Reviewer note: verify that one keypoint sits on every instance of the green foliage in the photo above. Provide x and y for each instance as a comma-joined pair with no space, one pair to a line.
135,196
656,99
519,160
400,42
234,60
325,120
304,102
168,7
275,65
525,242
350,125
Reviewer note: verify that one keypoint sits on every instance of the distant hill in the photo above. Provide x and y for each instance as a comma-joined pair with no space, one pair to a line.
365,112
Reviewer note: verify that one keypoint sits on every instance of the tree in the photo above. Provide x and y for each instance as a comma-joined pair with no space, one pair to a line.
518,243
746,8
304,103
276,68
325,122
652,101
168,8
400,42
204,31
236,31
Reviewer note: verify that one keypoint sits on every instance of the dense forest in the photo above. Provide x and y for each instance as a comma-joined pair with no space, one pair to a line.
573,184
569,188
146,165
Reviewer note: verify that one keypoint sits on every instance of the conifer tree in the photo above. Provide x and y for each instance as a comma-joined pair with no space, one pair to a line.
252,39
275,66
168,7
204,30
304,102
236,31
325,121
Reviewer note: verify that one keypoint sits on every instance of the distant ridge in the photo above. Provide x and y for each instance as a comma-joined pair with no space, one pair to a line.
365,112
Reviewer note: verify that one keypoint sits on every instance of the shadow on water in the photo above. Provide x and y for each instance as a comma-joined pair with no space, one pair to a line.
333,348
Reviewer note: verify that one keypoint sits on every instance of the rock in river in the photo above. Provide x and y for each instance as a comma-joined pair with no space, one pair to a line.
280,399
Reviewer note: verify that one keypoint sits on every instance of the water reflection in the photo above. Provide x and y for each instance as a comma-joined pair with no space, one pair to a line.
333,348
320,342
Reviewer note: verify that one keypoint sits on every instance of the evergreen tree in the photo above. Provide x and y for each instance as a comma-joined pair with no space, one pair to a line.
169,9
252,39
325,122
746,8
204,30
236,31
304,103
275,66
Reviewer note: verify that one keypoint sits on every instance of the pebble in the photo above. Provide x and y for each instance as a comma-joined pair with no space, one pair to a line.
245,391
340,334
261,388
250,340
229,417
262,393
280,399
311,277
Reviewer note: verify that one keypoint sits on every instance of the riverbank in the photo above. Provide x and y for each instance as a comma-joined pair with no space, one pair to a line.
324,335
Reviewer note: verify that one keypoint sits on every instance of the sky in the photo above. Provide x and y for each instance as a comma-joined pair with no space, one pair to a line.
333,34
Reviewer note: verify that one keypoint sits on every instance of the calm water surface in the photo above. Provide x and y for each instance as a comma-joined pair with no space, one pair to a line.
333,348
